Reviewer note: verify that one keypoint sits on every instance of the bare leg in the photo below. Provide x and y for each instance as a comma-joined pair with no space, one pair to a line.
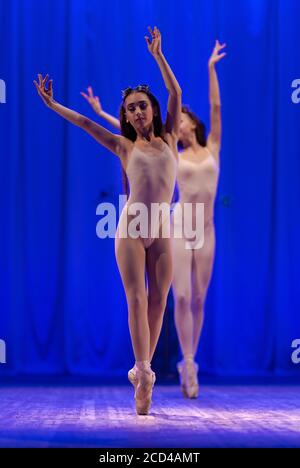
130,254
202,266
159,271
182,295
197,307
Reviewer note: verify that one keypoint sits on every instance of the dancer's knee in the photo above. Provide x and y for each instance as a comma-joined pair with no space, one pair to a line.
198,304
137,302
183,302
157,303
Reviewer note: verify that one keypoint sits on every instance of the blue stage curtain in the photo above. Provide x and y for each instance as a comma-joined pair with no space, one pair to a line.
62,304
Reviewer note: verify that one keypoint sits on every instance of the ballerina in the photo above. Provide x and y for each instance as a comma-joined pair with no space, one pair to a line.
148,153
198,173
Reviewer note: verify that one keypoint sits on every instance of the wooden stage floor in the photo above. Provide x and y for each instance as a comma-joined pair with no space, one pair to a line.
104,416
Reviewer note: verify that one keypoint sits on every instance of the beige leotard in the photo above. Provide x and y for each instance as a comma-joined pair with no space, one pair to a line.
151,171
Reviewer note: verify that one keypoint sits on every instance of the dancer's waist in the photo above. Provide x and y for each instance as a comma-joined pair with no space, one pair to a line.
193,213
135,204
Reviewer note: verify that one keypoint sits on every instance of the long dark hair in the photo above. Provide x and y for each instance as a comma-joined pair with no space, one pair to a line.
127,129
200,129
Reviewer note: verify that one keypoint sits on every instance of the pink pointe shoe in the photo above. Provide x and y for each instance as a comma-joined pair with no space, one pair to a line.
143,380
188,370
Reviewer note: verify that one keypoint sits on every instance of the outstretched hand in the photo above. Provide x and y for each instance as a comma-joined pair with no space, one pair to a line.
215,56
92,100
154,46
45,94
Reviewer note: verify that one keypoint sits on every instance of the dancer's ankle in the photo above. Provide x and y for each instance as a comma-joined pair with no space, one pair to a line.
188,357
142,365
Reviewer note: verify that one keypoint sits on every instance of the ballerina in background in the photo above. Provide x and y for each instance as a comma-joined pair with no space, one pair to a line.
198,173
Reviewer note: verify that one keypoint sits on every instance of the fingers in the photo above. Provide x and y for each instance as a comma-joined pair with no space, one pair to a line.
40,93
216,56
219,46
44,81
37,86
155,35
150,31
44,93
89,97
219,57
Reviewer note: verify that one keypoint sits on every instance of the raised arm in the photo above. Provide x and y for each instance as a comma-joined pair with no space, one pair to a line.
96,106
174,101
117,144
214,137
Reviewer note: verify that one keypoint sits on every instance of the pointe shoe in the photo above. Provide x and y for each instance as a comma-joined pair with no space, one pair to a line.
132,377
192,385
188,370
143,384
181,377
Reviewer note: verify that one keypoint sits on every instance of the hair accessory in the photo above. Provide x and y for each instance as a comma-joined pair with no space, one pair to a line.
142,87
